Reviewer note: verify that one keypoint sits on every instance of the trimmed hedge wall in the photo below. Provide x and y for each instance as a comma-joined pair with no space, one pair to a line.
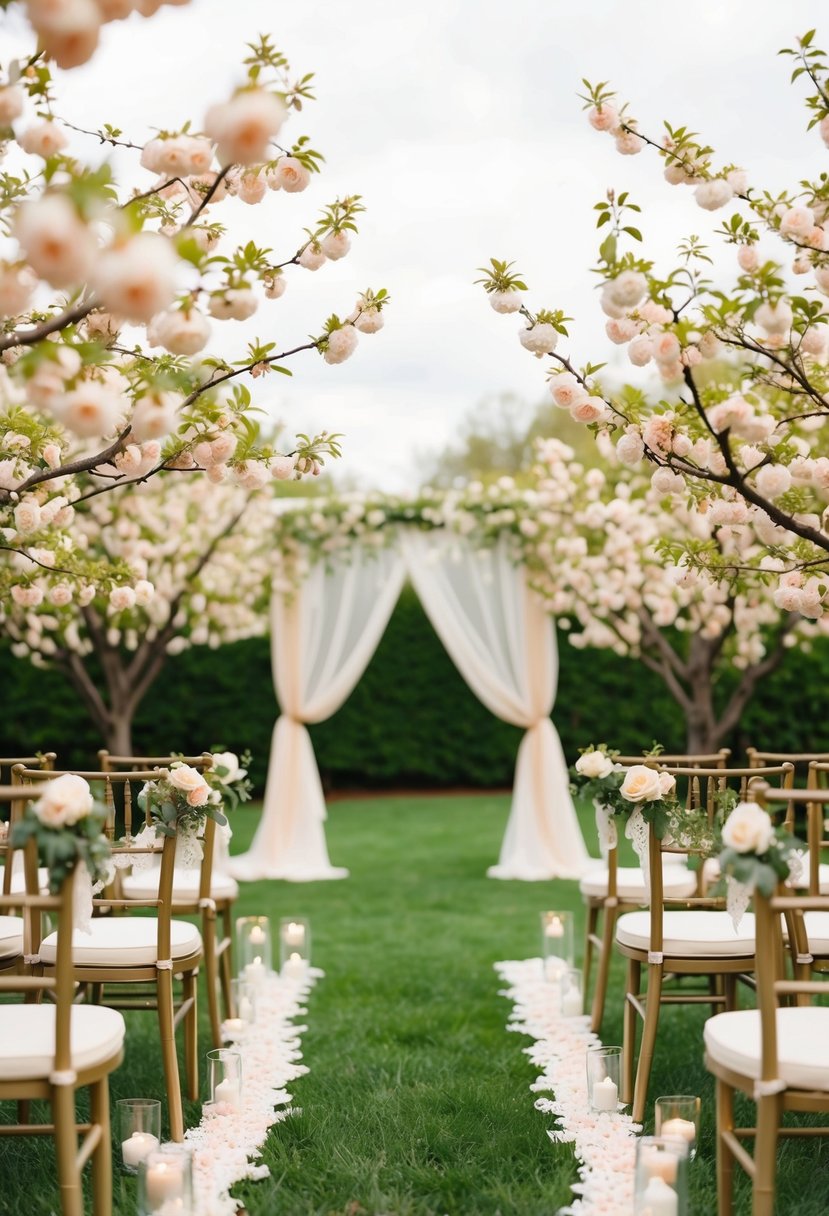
411,721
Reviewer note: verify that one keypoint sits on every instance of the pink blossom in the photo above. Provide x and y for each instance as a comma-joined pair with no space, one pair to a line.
621,329
797,222
275,285
341,344
712,195
775,318
538,339
136,280
640,351
289,174
773,480
234,304
627,289
566,390
57,244
27,597
591,409
335,245
604,117
43,138
252,188
282,467
91,410
312,256
665,347
51,455
369,321
223,447
61,595
154,415
121,599
27,515
243,127
628,143
180,331
68,29
11,104
630,449
17,285
748,258
658,433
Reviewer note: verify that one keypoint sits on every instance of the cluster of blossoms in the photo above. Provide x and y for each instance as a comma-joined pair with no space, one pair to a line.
733,425
107,305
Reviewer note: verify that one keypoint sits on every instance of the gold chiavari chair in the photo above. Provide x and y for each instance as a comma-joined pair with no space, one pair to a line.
682,937
11,876
202,892
50,1049
608,889
775,1054
147,951
817,832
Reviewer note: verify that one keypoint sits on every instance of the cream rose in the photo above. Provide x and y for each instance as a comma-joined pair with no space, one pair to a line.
667,784
189,780
198,796
748,829
594,764
230,762
64,801
641,784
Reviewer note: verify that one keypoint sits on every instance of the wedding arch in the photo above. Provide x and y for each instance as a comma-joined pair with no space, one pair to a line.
339,567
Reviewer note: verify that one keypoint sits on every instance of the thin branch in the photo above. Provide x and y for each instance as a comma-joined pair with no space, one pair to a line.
23,553
196,212
28,337
82,465
239,371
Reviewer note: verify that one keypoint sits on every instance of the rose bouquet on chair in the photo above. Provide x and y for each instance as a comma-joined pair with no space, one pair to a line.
639,793
756,856
229,775
178,803
67,825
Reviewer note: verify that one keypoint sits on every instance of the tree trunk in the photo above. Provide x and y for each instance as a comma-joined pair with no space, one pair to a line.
118,733
701,733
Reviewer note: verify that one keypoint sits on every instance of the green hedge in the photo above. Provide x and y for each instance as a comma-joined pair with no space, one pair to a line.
411,721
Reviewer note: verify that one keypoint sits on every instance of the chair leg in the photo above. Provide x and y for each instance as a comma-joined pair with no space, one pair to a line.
102,1156
730,991
211,974
643,1069
168,1054
634,972
725,1162
66,1150
715,987
226,964
765,1155
189,982
603,971
590,922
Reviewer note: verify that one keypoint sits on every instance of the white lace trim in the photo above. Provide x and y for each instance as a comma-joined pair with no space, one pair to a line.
797,869
638,833
605,1144
227,1142
82,899
737,899
605,828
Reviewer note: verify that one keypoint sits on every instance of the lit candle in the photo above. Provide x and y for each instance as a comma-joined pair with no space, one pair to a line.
164,1181
135,1149
605,1095
227,1091
659,1164
294,967
257,936
233,1026
554,927
679,1129
554,968
295,934
571,1003
660,1199
246,1009
255,971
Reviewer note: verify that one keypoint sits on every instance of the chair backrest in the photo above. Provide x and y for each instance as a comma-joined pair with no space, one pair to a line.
800,760
112,764
61,985
700,789
718,759
817,824
10,816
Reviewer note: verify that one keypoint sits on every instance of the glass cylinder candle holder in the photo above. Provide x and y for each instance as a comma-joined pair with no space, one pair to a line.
225,1079
294,944
661,1178
243,995
572,996
165,1181
556,943
679,1115
604,1071
254,951
139,1130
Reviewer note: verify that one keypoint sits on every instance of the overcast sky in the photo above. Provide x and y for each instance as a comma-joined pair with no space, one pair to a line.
458,122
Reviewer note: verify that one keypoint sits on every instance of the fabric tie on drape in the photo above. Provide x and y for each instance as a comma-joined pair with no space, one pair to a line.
503,643
322,640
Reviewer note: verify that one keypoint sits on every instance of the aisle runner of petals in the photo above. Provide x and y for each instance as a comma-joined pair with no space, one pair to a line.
604,1144
227,1141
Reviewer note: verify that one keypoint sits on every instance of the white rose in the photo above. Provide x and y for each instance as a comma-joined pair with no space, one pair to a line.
667,784
230,762
186,778
748,829
641,784
595,765
64,801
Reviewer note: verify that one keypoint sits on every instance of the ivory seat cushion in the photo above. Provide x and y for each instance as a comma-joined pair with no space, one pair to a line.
733,1040
144,885
692,934
11,936
630,882
817,931
27,1038
18,882
124,941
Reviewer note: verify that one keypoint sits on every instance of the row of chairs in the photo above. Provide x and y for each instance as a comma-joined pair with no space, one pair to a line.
124,962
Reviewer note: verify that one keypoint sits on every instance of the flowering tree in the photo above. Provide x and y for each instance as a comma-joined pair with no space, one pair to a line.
192,565
109,293
755,459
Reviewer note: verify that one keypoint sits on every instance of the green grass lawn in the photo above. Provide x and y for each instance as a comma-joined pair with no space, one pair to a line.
418,1101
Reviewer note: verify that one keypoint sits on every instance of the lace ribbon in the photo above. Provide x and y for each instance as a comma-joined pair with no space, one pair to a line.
737,899
82,899
605,828
796,869
638,833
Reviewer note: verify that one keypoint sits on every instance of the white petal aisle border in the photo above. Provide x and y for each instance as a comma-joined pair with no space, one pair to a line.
605,1145
226,1142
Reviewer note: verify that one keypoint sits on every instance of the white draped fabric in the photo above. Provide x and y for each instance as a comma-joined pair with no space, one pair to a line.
503,643
322,640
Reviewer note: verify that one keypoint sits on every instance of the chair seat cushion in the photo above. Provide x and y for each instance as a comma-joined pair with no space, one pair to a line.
11,936
27,1038
711,872
817,931
144,885
630,882
124,941
692,934
18,882
733,1040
